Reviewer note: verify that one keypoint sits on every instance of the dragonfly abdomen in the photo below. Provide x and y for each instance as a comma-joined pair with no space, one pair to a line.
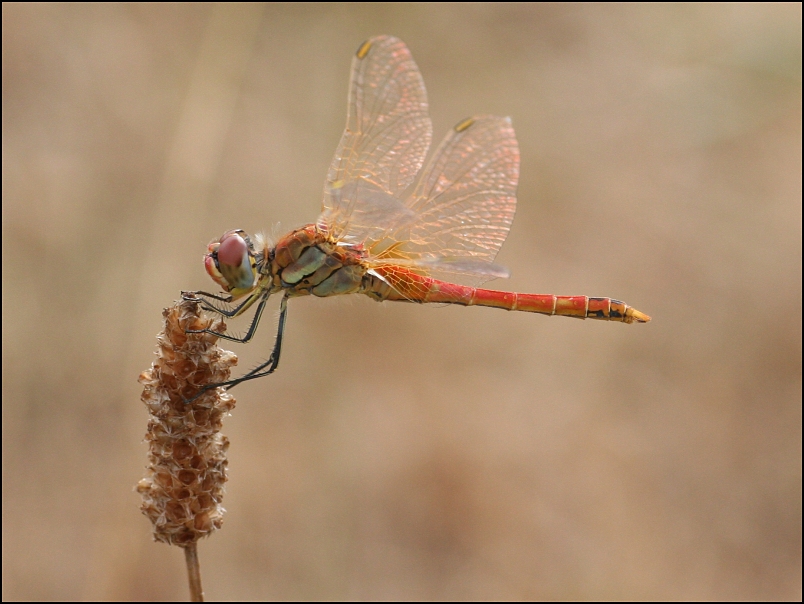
581,307
425,290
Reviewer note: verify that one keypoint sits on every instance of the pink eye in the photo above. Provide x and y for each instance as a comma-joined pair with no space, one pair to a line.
232,250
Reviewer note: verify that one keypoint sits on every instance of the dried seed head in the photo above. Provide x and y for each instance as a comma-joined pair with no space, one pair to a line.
183,487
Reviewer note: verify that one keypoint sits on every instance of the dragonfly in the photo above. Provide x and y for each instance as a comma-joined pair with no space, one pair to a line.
389,228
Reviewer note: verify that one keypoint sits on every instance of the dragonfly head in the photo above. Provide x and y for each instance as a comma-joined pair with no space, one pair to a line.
232,264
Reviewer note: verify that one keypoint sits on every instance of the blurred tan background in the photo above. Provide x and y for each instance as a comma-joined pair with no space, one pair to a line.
404,451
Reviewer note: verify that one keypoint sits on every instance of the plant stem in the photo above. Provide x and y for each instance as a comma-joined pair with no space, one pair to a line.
193,572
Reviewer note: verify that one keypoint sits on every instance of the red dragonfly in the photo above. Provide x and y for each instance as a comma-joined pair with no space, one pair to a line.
390,229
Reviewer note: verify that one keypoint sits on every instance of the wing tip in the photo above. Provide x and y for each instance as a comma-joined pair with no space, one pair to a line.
365,47
465,123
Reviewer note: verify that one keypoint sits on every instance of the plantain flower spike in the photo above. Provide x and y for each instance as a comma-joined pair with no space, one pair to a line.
183,487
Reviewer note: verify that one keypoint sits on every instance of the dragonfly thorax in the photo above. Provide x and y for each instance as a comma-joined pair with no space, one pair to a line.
307,261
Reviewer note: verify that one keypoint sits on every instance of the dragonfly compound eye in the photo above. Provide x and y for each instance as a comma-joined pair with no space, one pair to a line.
232,250
231,264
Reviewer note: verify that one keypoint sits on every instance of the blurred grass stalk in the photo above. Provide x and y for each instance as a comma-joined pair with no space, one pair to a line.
182,491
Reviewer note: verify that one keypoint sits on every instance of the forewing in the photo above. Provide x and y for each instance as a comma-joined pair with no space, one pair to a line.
388,132
464,202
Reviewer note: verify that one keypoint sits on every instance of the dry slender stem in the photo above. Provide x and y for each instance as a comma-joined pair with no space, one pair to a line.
193,572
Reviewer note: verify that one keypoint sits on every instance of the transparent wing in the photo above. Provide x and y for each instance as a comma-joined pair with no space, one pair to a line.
462,206
387,135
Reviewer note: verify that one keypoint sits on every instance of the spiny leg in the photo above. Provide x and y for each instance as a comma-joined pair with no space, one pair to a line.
273,361
252,329
266,368
195,296
212,308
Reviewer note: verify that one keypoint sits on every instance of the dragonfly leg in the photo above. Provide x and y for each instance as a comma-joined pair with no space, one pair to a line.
206,305
252,329
269,366
266,368
196,296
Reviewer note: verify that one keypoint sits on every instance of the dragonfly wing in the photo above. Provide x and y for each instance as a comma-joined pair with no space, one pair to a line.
387,135
463,205
466,198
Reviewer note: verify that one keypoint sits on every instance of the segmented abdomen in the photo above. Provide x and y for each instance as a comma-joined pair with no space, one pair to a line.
403,285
